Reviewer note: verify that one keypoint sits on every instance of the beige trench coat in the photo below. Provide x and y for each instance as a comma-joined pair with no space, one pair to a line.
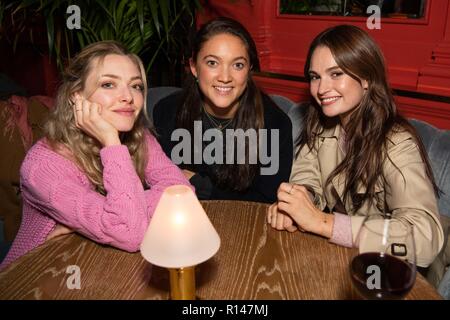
409,197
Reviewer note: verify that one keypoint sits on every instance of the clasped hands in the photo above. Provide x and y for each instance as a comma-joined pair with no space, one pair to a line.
295,210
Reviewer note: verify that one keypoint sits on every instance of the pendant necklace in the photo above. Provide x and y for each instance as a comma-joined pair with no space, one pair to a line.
217,123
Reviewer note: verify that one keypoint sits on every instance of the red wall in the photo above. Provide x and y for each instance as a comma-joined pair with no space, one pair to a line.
417,51
29,66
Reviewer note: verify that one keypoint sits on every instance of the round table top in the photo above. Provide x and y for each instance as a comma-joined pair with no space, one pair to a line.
253,262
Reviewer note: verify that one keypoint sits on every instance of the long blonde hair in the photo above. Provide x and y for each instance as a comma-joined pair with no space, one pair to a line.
60,129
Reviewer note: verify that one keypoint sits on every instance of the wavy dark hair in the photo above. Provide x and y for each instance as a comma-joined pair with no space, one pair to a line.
373,121
250,113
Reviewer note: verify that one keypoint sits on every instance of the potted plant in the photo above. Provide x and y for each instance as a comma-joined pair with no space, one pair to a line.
153,29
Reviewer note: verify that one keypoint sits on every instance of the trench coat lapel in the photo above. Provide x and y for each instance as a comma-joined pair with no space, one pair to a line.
333,155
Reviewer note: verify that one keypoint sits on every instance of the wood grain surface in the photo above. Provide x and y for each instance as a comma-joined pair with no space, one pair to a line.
253,262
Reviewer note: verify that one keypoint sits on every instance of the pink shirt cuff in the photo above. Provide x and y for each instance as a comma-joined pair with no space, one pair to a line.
342,230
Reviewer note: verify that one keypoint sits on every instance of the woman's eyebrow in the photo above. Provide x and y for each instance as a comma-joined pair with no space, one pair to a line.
240,58
211,56
110,76
118,77
333,68
218,58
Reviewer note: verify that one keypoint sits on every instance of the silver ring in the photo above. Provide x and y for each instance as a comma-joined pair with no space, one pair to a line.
292,187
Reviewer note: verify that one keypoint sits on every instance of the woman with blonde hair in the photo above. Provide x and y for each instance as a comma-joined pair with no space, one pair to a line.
98,171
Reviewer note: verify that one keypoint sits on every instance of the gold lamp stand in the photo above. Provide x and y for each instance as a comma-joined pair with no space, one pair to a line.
179,237
182,283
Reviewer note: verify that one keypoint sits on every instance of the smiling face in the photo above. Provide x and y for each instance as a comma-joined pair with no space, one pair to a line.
116,84
222,68
336,92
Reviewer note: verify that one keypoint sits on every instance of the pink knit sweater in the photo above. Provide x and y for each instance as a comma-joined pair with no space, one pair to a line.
55,190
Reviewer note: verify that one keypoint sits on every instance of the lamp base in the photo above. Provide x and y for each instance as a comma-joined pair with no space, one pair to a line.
182,283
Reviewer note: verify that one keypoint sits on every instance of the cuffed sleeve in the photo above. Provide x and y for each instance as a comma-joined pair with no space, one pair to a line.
342,230
64,193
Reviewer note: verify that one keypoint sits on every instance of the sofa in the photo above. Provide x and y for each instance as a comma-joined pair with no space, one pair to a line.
437,145
16,112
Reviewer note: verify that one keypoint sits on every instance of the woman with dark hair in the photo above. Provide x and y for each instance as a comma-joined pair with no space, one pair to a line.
98,171
357,156
237,144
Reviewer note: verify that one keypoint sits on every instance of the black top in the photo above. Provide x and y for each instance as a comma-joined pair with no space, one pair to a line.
264,187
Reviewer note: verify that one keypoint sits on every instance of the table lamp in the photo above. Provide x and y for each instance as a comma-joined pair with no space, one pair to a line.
180,236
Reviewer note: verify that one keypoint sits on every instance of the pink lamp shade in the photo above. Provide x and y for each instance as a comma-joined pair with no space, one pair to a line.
180,233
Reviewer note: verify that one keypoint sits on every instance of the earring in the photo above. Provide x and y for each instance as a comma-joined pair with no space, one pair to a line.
196,79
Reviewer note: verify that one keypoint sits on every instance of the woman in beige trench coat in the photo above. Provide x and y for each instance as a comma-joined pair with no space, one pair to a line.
356,156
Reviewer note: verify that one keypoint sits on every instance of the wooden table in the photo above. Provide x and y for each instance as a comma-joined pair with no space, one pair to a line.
253,262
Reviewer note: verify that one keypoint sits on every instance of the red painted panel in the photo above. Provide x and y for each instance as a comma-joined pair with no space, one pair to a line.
435,113
283,40
417,52
294,90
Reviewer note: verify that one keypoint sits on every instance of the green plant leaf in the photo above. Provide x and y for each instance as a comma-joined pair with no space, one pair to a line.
80,38
119,14
165,15
88,32
50,34
140,15
155,15
106,10
2,10
144,26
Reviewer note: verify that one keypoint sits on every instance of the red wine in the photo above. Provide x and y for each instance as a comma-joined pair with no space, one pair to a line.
396,277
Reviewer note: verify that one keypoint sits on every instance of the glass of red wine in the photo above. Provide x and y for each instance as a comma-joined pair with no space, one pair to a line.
385,267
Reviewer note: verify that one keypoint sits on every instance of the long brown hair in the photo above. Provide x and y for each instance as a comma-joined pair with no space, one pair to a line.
60,129
373,121
250,113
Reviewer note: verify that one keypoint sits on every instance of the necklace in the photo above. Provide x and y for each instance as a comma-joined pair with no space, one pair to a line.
217,123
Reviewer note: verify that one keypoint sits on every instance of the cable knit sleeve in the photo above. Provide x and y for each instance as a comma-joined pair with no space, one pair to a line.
160,174
56,187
